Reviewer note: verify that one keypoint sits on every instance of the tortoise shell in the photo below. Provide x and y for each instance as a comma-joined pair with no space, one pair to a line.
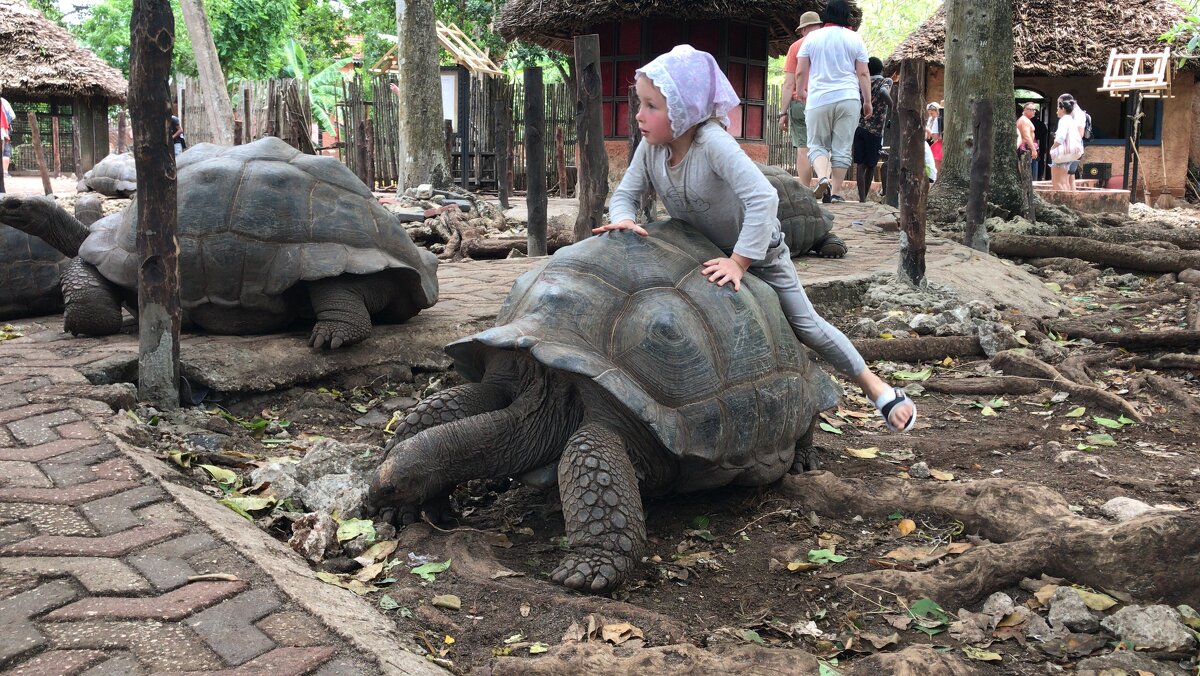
115,176
717,375
256,219
29,276
801,219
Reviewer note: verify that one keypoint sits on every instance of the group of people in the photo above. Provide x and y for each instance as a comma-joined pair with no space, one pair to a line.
837,103
1067,148
704,178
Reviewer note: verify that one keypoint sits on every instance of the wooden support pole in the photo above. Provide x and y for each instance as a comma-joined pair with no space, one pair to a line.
975,235
76,142
535,160
121,147
247,116
502,112
369,140
450,148
55,148
1025,159
913,184
237,132
360,144
891,169
560,158
152,31
589,137
39,154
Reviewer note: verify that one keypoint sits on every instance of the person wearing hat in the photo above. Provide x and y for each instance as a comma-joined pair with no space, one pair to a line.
792,117
933,131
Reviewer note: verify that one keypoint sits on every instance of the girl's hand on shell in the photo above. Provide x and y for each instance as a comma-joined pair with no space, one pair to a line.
724,270
621,225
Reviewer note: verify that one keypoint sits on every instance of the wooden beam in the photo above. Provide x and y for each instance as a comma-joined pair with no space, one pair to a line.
535,160
55,150
152,31
914,185
38,153
589,137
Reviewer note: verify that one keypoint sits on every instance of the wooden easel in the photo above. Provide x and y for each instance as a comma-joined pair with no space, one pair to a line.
1138,76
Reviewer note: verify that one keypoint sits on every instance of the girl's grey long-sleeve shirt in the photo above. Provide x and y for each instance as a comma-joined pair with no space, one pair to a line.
716,188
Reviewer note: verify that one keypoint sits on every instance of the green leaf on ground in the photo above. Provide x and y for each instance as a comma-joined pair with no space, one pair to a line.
701,522
830,428
1101,440
825,668
751,635
538,647
429,571
927,609
1108,422
1076,412
388,603
244,504
352,528
824,556
221,475
923,374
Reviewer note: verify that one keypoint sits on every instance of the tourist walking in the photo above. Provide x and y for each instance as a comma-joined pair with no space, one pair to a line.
832,76
868,137
933,132
1067,148
1026,138
1082,121
792,117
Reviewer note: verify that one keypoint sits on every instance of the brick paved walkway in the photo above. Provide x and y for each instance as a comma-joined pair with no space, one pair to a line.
102,572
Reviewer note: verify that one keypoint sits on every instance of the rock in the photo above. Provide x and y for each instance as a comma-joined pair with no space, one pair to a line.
329,456
1125,281
374,418
995,338
1189,276
314,536
358,545
1126,662
1037,628
409,214
1075,457
925,324
1169,278
398,404
896,326
210,441
1155,627
343,494
1050,352
463,205
1068,610
998,605
919,470
280,476
424,191
1124,509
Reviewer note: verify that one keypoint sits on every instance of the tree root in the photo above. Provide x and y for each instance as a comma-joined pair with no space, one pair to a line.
1020,365
1130,340
1171,390
1071,266
1011,385
501,247
1193,313
1034,530
473,561
1078,367
918,349
1104,253
1189,362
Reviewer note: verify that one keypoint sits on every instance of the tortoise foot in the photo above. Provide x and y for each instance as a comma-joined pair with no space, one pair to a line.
592,570
334,334
832,247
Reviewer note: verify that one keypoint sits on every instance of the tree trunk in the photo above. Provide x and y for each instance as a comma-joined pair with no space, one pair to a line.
593,158
535,161
913,182
975,236
217,107
152,29
979,64
422,156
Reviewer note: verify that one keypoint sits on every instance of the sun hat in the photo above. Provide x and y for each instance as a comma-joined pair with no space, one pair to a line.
807,19
933,105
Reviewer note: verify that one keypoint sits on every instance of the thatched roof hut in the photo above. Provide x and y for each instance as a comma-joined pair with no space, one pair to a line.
40,60
1060,37
553,23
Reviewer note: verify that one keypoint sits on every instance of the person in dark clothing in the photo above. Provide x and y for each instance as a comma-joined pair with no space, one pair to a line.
868,137
177,138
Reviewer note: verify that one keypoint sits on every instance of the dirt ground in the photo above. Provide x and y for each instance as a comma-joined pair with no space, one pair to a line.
760,567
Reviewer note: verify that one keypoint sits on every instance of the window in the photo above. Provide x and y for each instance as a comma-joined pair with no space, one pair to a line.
620,56
747,71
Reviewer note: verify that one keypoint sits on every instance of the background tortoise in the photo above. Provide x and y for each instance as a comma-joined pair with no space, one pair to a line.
617,362
805,225
115,176
266,235
30,269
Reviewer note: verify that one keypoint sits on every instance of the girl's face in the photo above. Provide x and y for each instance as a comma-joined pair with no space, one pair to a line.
653,121
932,112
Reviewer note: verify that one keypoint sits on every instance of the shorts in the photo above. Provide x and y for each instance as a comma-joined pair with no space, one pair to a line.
7,149
796,124
867,147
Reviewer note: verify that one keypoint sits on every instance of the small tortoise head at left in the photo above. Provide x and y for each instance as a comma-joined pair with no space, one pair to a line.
267,236
618,370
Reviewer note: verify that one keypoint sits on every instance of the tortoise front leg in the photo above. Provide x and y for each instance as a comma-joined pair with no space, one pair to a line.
830,246
606,526
455,403
92,304
342,315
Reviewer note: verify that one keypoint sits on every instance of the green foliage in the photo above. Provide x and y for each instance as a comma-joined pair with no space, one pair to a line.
322,30
105,31
324,86
250,34
887,22
49,9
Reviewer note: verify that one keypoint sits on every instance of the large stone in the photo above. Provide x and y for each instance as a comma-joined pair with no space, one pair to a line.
280,475
1127,662
314,536
341,494
1068,610
1189,276
1124,509
1155,627
330,456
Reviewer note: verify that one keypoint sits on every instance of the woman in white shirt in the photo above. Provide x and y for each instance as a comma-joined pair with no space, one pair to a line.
933,132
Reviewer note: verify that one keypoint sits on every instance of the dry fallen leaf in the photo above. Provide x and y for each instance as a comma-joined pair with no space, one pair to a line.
524,609
1096,601
447,601
215,577
940,475
906,526
872,452
620,633
1043,595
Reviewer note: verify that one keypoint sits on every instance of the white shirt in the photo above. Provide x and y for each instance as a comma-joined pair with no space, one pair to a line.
833,53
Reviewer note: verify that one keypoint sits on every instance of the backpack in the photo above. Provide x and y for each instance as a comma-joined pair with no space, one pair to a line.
1087,126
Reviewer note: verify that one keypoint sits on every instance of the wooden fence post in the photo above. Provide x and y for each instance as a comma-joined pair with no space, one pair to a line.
891,169
975,235
913,184
589,137
247,116
1025,159
560,158
502,111
38,154
152,30
55,149
535,160
369,140
121,147
76,142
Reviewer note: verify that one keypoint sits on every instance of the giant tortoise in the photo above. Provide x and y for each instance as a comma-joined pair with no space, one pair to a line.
807,228
114,176
30,269
617,362
266,235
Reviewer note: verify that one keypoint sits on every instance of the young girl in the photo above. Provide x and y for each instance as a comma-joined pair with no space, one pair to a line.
705,179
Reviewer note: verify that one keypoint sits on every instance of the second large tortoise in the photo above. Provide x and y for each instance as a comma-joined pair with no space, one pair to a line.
806,226
618,365
267,235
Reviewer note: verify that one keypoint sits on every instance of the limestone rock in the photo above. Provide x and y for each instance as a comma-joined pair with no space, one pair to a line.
329,456
1157,627
314,537
343,494
919,470
1124,509
1189,276
1068,610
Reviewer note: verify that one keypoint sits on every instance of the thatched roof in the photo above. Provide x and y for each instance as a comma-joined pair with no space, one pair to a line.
40,59
1060,37
553,23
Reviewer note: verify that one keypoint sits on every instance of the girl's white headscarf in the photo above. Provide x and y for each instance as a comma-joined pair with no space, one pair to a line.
694,86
